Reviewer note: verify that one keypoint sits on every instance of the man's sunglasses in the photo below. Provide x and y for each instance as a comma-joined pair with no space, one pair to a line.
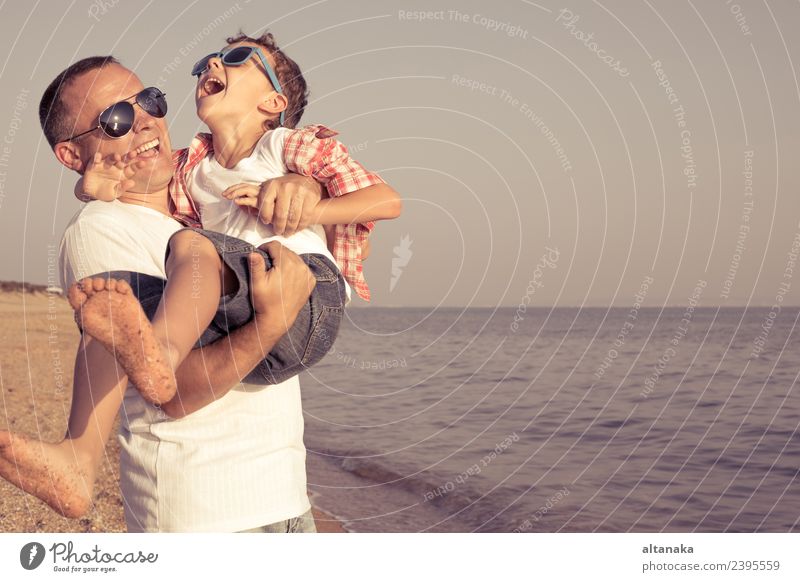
117,120
239,56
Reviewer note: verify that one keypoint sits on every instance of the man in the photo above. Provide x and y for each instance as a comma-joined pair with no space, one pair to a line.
238,462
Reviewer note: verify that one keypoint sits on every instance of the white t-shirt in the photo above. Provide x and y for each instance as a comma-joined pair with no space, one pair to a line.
209,179
236,464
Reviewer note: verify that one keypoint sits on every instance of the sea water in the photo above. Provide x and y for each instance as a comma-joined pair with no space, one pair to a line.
570,420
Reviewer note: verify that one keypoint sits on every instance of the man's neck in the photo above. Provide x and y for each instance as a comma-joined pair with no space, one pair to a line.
158,200
234,143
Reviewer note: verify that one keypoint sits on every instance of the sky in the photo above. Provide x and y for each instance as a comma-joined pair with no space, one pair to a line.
569,154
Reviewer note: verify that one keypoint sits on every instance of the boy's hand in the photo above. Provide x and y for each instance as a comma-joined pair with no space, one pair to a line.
108,179
279,294
287,202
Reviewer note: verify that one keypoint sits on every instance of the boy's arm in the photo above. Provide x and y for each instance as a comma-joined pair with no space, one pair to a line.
210,372
377,202
290,213
356,195
312,152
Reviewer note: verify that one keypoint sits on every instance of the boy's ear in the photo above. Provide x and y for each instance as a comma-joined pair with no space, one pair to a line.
69,155
274,104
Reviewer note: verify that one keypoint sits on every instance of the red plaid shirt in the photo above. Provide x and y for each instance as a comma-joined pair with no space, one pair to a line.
310,151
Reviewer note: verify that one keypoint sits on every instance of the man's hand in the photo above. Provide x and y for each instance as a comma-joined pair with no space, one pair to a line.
108,179
287,202
279,294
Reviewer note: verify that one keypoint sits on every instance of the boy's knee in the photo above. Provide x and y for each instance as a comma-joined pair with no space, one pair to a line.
189,242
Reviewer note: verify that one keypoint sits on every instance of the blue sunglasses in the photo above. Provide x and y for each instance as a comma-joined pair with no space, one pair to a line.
239,56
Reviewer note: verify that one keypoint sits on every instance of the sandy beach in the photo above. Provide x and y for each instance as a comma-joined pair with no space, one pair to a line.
39,340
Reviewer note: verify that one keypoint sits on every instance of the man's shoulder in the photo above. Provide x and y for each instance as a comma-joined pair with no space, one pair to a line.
115,216
94,213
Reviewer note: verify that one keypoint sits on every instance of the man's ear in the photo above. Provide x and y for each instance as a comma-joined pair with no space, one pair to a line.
274,104
69,154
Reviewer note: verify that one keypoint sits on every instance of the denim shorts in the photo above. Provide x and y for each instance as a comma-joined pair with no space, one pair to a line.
300,524
307,341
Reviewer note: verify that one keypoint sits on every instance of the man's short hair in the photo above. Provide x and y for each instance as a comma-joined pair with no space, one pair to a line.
293,84
57,122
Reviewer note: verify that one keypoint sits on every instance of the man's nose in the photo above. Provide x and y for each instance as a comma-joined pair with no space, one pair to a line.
143,120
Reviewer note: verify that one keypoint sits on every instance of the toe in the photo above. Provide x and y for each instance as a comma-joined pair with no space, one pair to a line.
76,296
123,287
87,286
98,284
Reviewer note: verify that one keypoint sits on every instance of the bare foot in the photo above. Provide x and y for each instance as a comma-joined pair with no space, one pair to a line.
109,312
48,471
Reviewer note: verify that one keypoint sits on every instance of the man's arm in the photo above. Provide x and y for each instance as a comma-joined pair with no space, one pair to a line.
210,372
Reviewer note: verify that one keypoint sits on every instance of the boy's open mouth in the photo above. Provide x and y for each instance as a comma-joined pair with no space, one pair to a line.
149,149
212,86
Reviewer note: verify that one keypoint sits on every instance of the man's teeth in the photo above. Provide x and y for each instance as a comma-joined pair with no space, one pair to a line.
146,147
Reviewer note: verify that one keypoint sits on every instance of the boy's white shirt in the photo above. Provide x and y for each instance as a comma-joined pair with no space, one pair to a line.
209,179
238,463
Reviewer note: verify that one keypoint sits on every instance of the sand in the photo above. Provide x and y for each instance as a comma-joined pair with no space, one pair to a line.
39,340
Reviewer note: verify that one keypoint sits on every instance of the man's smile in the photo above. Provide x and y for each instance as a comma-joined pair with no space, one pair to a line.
149,149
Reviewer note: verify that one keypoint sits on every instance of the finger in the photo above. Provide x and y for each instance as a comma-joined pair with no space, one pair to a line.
126,185
295,214
244,201
309,204
257,265
280,216
275,251
249,193
259,276
266,198
266,210
97,159
239,190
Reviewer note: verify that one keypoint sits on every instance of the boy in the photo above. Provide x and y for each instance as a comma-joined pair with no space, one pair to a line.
241,98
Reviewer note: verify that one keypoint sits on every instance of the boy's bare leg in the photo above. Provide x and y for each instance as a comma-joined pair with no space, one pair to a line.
149,354
109,312
63,474
196,279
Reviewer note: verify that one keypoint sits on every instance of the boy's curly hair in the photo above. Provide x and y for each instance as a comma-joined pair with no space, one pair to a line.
289,75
